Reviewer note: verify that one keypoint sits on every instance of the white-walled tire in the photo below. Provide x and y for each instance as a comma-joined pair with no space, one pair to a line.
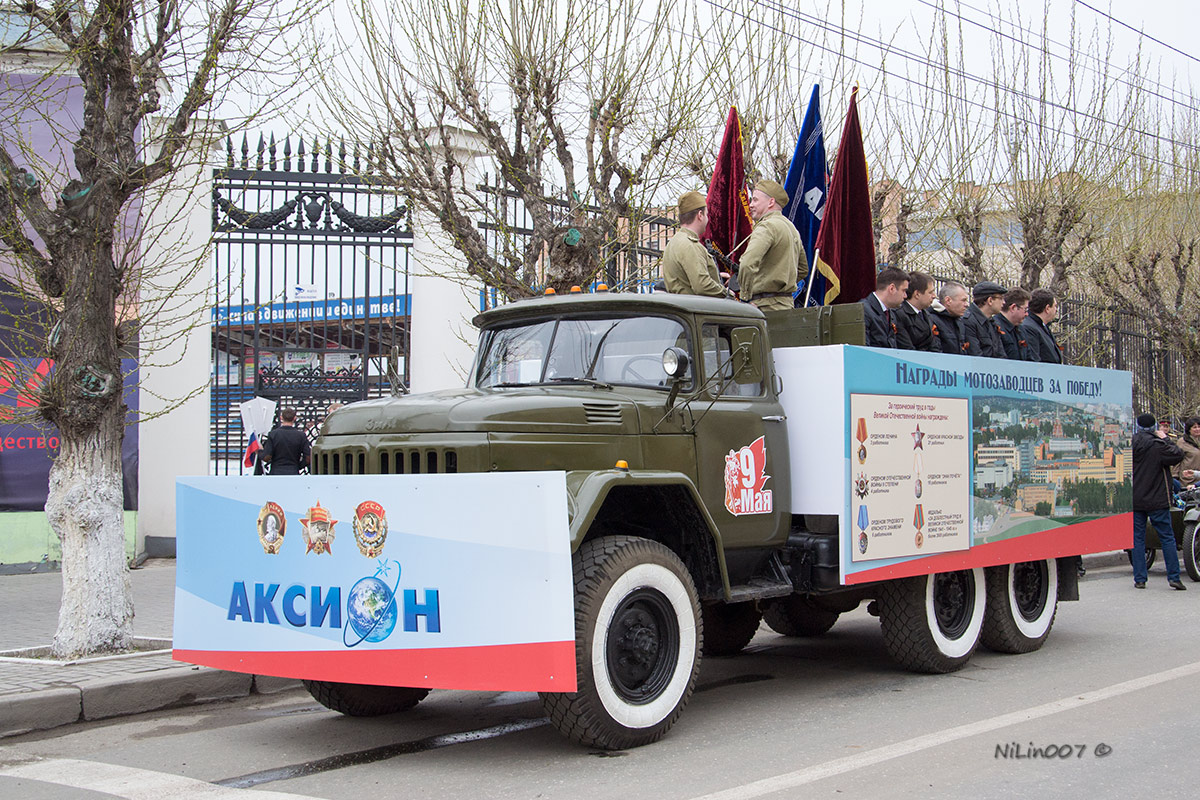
1022,600
1191,551
932,623
638,638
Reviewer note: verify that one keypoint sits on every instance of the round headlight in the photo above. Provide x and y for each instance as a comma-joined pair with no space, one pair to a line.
675,362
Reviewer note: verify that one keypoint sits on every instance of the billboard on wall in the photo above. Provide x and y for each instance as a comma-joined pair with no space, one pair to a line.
437,581
27,449
949,462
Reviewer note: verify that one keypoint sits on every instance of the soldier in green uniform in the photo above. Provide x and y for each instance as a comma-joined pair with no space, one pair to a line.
687,268
774,257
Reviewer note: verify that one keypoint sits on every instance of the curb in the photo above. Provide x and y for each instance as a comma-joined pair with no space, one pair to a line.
44,709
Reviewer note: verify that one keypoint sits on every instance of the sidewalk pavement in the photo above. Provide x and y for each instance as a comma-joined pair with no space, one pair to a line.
36,694
39,693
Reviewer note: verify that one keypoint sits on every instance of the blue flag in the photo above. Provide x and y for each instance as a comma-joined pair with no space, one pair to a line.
806,188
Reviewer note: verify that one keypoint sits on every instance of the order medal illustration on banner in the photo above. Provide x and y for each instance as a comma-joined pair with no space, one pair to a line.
918,523
272,523
863,523
862,485
318,530
861,435
370,528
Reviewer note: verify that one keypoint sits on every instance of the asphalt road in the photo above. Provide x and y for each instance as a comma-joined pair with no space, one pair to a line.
1103,710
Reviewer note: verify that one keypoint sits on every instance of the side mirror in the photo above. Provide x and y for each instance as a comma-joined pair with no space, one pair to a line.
747,355
675,362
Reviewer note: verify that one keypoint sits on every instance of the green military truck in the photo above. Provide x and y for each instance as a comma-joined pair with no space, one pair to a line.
724,468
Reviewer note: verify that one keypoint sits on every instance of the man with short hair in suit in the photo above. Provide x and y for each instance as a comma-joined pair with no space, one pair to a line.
914,329
880,306
1043,309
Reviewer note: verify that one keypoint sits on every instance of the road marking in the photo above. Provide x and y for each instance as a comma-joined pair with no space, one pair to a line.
132,783
840,766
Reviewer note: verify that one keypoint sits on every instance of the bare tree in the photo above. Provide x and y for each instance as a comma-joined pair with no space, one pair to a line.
581,108
144,74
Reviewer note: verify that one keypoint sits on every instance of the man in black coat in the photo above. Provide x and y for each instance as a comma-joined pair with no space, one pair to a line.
287,449
1043,310
947,321
1008,324
982,337
914,329
881,305
1153,456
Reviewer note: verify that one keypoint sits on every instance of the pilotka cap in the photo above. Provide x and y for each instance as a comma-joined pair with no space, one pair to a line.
774,190
691,201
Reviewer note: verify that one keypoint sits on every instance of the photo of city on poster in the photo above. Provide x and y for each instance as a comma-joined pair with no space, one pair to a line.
1040,464
910,475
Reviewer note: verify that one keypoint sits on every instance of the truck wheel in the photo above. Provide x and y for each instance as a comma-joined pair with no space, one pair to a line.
728,627
931,623
363,700
1191,551
1151,554
638,637
797,616
1021,603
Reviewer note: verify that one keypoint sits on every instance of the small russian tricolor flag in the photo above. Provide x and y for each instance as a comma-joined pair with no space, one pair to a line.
251,450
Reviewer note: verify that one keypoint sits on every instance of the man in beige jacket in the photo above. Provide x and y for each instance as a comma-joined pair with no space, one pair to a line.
687,268
774,257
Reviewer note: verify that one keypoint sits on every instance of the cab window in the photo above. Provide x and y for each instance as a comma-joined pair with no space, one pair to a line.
718,367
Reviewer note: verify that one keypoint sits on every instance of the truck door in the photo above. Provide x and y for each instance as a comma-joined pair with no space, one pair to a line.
741,442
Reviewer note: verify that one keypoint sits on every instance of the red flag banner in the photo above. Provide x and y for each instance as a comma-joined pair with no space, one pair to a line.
728,205
846,242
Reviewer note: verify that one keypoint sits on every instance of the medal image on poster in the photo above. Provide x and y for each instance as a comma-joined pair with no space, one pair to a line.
918,473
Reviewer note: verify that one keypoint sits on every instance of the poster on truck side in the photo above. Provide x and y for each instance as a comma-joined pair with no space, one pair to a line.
951,462
458,581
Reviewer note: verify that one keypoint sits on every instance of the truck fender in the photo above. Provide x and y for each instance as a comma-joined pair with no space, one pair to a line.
587,491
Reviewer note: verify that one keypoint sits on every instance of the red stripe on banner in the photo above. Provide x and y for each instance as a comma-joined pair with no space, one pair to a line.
536,667
1095,536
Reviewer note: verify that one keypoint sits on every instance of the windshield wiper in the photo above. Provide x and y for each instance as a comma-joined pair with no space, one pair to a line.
510,385
591,370
585,381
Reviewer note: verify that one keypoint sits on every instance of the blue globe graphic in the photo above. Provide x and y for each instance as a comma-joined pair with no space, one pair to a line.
371,609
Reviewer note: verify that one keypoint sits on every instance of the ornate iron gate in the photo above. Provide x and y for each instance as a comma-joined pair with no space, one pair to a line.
311,284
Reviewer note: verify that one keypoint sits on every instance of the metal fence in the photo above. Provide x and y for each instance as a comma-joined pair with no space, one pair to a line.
631,265
312,283
1096,335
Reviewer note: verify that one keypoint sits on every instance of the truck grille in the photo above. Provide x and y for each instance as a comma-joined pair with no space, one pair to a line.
602,413
387,461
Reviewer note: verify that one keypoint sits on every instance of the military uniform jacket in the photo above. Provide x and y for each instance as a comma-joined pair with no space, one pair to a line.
1042,344
1012,338
687,268
982,335
773,260
914,329
881,325
949,332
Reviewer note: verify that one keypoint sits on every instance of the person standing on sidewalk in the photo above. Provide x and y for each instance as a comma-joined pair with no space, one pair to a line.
286,449
1153,457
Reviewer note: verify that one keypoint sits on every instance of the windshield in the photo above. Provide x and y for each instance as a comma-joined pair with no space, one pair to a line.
610,350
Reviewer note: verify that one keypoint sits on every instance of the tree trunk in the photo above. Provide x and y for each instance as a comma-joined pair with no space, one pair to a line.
84,507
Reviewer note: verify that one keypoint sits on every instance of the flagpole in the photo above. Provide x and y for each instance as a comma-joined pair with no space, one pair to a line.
812,270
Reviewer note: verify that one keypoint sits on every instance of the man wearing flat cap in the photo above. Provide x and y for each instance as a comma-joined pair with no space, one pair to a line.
978,328
774,257
687,268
